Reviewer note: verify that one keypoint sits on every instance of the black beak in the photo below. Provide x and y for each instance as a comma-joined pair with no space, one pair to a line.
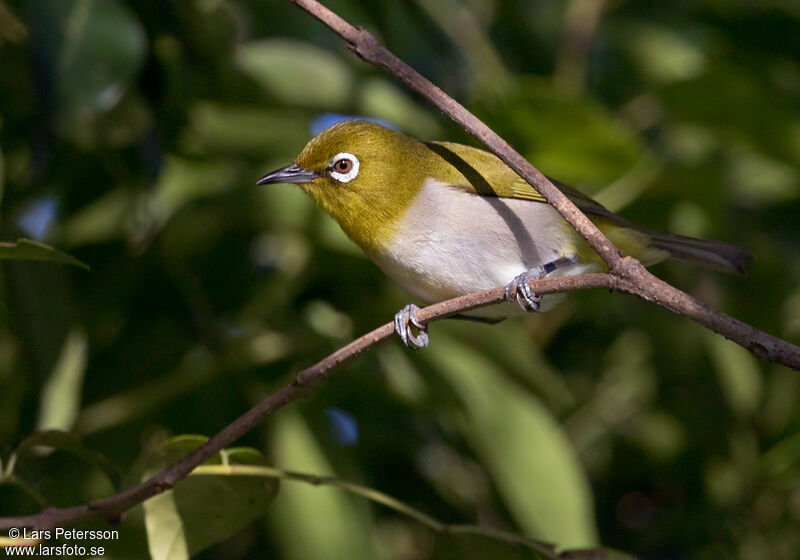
289,174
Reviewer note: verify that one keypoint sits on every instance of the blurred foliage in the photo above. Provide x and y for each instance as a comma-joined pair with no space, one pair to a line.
131,134
205,508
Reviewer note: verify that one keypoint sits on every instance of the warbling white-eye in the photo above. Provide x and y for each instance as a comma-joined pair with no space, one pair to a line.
445,219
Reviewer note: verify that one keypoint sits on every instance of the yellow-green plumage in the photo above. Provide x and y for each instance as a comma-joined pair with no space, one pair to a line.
368,207
497,179
445,219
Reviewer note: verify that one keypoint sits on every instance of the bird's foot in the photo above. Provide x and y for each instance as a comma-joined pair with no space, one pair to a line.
404,320
519,290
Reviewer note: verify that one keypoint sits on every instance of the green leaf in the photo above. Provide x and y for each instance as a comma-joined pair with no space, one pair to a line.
100,47
573,139
182,181
203,510
471,545
595,554
72,444
297,73
718,101
758,180
381,99
28,250
476,547
664,55
738,373
523,447
783,460
315,522
61,395
107,217
452,540
242,129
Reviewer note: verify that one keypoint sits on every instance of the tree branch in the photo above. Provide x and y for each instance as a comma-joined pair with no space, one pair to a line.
112,507
626,275
643,284
367,47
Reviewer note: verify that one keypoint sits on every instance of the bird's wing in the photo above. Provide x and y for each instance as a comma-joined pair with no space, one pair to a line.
497,179
649,246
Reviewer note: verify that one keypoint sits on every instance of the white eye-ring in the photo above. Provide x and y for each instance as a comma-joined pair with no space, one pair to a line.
344,167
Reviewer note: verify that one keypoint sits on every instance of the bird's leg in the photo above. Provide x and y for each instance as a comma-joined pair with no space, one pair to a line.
519,288
404,320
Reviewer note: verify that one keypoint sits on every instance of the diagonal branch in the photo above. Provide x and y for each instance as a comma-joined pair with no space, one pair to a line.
113,507
366,46
642,283
626,275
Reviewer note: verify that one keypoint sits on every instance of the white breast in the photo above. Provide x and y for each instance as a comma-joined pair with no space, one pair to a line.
451,243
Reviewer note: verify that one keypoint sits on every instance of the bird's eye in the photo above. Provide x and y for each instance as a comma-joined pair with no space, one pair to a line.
344,167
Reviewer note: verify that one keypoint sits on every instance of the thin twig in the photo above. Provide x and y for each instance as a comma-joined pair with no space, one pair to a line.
112,507
546,549
366,46
627,275
643,284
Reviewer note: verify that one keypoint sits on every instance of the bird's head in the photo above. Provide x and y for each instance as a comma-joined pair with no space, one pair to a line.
363,174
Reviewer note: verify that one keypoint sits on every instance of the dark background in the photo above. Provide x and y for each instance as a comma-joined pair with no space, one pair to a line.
131,134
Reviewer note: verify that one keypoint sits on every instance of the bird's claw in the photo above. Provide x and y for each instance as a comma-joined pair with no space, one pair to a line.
519,290
404,320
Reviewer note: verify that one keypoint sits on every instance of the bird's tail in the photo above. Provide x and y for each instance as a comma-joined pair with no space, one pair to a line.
711,254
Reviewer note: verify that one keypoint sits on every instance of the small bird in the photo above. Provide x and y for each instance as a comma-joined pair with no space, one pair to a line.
445,219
